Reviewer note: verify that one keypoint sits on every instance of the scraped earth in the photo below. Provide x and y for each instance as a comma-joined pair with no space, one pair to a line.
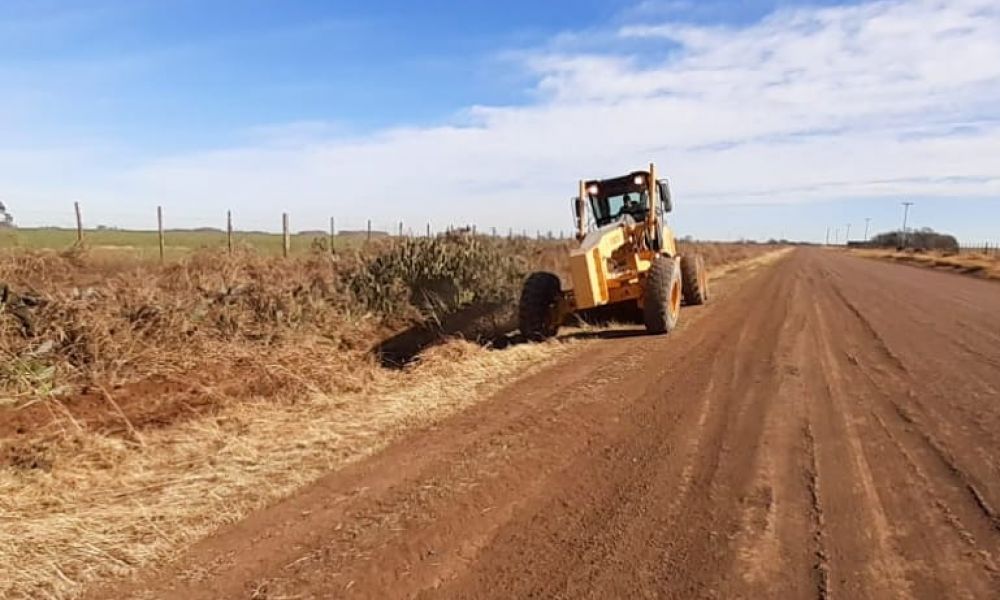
830,428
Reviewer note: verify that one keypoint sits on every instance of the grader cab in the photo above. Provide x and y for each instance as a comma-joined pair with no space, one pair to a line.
626,257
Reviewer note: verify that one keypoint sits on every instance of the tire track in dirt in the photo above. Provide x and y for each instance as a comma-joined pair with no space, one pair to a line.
863,565
821,566
914,409
946,332
786,517
610,535
796,439
894,457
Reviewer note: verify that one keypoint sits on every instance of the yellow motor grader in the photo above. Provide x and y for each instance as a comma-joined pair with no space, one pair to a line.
626,257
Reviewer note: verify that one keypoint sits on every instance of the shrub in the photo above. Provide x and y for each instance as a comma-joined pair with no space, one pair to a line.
435,275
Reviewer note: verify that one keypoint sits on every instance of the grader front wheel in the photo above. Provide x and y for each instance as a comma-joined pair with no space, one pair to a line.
662,296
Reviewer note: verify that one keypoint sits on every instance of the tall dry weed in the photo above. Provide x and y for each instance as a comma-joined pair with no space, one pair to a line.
434,275
213,310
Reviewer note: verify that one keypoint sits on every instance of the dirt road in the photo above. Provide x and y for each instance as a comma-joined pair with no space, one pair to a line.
830,428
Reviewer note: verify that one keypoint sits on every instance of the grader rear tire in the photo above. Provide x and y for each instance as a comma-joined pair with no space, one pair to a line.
662,296
536,315
694,276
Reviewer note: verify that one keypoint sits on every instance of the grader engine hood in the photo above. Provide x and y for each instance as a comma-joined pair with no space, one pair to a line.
588,264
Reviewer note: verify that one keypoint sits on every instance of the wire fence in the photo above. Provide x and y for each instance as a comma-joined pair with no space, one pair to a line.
986,248
228,230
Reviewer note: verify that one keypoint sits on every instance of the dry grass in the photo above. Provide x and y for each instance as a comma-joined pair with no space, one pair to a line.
282,350
972,263
107,506
721,256
111,325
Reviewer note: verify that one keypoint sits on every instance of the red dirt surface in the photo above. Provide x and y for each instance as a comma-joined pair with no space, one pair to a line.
828,429
148,404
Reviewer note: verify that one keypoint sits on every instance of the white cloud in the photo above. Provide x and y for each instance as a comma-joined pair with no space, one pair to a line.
882,99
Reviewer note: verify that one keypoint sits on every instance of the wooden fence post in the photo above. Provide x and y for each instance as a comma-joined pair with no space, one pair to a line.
159,228
286,238
229,231
79,223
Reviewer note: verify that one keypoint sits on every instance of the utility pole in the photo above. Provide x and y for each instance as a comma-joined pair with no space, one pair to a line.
827,236
847,238
868,221
906,213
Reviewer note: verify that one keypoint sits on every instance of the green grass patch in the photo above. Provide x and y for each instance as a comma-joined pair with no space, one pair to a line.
144,245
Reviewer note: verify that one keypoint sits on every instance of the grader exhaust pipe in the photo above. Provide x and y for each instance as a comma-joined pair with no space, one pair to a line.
654,199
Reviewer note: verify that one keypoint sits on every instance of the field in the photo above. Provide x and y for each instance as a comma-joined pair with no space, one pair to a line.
144,245
969,263
145,405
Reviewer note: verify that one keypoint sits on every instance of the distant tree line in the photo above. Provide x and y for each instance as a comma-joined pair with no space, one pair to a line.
921,239
6,219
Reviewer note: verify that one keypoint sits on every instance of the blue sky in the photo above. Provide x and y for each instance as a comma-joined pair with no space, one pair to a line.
772,118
